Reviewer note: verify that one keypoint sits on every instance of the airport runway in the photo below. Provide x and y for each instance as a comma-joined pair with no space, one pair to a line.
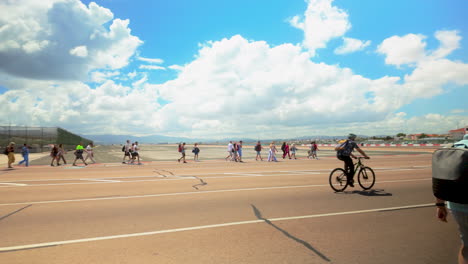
223,212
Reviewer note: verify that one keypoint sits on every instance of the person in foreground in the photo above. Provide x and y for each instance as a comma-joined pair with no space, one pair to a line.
460,214
344,153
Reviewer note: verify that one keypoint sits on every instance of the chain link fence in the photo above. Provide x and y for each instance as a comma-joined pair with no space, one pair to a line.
39,139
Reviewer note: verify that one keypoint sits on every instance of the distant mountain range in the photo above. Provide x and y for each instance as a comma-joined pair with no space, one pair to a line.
158,139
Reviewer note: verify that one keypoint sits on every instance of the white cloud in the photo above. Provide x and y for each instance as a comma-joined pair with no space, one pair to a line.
233,87
149,60
321,22
351,45
79,51
61,39
458,111
151,67
408,49
176,67
100,77
449,41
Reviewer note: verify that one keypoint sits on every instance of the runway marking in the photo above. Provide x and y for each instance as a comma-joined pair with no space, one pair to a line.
99,180
197,193
177,177
158,232
12,184
243,174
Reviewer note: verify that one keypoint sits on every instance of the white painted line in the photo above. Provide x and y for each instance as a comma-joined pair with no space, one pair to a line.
301,172
182,177
242,174
99,180
151,233
196,193
13,184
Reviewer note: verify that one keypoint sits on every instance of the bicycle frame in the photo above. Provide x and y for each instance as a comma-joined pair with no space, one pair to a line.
357,165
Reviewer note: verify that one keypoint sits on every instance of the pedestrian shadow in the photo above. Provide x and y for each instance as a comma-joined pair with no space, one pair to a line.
258,214
373,192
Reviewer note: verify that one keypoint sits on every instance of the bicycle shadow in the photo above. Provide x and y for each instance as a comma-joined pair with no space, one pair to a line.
373,192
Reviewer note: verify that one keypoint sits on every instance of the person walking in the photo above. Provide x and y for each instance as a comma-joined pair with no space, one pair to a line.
90,152
53,155
229,150
195,152
10,152
234,152
25,154
293,150
258,149
313,150
126,151
79,154
182,152
61,154
272,152
283,148
135,153
239,151
286,151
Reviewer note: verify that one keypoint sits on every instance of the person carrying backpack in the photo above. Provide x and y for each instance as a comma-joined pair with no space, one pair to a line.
344,153
449,185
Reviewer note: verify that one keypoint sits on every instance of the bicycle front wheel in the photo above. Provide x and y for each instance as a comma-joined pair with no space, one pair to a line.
366,178
338,180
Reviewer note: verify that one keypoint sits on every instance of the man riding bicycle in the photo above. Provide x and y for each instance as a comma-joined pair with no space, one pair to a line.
344,153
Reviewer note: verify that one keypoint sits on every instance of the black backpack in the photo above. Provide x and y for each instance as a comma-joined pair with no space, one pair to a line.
450,174
345,150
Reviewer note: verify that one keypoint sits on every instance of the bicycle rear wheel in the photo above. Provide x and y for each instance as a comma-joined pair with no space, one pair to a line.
338,180
366,178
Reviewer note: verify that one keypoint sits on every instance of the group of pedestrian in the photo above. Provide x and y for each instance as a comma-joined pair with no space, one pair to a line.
234,151
131,151
57,153
289,150
312,153
79,151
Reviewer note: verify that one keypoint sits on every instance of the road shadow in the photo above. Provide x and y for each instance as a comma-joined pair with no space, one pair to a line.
373,192
258,214
17,211
168,174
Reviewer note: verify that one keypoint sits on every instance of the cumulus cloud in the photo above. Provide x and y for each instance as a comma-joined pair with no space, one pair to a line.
61,39
321,22
232,87
449,41
408,49
351,45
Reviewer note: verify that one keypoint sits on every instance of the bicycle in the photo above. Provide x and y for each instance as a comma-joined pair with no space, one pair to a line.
339,181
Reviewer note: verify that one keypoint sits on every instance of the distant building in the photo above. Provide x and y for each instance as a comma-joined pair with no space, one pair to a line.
457,134
417,136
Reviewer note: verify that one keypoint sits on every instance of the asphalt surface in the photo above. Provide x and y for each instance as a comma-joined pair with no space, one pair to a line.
222,212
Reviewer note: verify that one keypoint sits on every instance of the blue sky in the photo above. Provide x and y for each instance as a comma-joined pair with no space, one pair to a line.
235,68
